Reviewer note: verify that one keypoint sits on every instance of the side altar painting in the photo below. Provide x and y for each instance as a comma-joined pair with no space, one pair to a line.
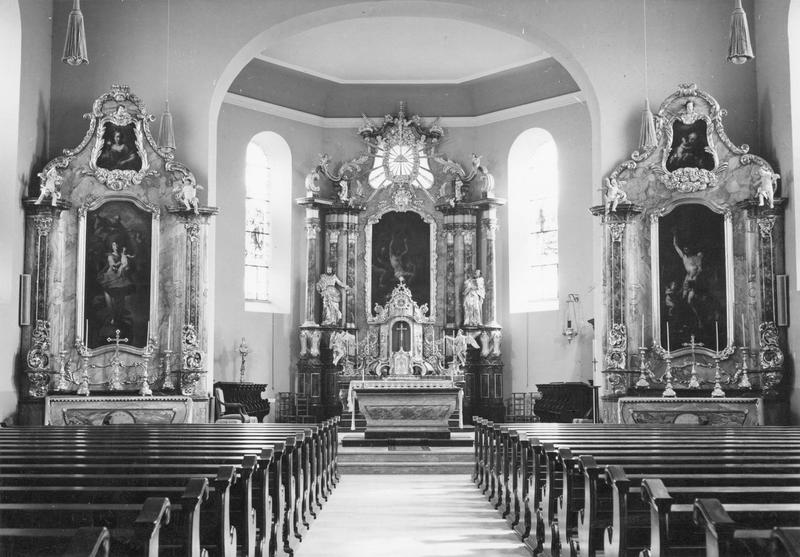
401,270
115,246
693,256
118,273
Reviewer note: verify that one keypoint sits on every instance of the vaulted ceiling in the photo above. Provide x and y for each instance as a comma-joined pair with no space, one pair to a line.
441,67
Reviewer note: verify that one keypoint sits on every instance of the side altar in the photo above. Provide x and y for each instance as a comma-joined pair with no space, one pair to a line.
400,298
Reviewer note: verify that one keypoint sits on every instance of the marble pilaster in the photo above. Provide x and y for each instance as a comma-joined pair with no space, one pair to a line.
490,226
312,237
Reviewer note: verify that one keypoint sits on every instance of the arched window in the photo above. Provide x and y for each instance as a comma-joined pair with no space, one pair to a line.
266,227
258,243
533,222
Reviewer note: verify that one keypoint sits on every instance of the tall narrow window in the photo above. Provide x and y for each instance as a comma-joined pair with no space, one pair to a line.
533,216
258,240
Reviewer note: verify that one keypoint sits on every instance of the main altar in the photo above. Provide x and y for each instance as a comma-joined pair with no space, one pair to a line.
400,298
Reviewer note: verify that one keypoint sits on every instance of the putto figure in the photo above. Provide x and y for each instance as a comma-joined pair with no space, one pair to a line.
767,182
328,287
487,187
186,194
460,344
614,194
474,294
49,188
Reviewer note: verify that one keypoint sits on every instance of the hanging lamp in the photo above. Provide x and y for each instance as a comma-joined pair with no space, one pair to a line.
647,133
166,132
739,50
75,52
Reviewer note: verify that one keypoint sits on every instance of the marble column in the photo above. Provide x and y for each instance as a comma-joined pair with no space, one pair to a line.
450,276
312,237
352,246
490,226
333,231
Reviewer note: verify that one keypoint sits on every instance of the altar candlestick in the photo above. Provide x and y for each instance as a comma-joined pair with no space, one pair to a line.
744,339
668,337
716,331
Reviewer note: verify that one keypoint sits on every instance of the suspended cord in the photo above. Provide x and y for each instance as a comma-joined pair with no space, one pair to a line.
644,18
168,50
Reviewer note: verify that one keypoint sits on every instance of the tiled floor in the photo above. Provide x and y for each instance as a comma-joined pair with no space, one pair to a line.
409,516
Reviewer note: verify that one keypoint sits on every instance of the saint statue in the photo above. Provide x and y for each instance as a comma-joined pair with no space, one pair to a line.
460,344
328,287
474,293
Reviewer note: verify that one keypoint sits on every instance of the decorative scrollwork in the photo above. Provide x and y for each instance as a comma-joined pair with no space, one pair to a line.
771,356
766,225
43,224
617,229
616,356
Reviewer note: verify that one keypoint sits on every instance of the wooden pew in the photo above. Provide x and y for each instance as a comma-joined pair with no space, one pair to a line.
137,527
64,542
785,542
740,528
491,448
321,465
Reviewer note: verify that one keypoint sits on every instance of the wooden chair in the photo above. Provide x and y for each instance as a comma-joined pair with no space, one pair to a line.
230,411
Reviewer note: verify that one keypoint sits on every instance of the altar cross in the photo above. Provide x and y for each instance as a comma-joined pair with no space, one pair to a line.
402,328
116,340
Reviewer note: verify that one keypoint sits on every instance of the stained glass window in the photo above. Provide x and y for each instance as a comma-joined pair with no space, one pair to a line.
258,237
533,221
543,236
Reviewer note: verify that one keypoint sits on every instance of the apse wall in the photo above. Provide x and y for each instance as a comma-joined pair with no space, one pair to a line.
534,349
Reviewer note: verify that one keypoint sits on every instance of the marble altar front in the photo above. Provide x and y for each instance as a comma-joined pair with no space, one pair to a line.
406,408
110,410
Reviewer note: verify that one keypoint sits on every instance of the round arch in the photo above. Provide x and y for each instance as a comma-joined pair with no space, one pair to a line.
528,30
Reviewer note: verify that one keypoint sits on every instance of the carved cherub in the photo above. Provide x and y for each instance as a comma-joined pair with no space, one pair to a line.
487,187
50,181
186,193
614,194
344,188
767,183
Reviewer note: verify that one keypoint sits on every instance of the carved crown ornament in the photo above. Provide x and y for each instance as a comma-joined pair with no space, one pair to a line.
693,154
400,304
118,150
398,155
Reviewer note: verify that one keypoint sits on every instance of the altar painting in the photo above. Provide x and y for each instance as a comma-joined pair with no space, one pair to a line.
401,248
117,273
692,277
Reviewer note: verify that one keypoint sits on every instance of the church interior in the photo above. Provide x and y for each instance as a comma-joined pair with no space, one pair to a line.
306,255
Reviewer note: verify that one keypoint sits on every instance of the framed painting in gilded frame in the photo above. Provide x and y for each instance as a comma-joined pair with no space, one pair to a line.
117,286
692,278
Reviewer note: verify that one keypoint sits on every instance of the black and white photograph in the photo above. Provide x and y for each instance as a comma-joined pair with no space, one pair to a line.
400,278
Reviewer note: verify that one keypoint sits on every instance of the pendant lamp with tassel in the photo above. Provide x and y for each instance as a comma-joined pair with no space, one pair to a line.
166,133
647,134
739,50
75,52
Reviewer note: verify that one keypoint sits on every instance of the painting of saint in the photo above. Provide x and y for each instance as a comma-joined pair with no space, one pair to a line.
401,249
690,146
692,276
119,148
117,294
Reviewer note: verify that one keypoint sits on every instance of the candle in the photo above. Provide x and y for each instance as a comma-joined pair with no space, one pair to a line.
86,333
642,338
716,331
744,338
667,336
753,335
169,332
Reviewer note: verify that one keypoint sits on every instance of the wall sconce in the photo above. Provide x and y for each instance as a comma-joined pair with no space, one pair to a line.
570,325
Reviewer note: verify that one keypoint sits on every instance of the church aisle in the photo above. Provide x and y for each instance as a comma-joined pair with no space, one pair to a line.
409,515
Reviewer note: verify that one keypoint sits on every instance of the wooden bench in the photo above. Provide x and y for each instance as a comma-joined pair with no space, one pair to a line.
136,531
190,440
496,460
736,528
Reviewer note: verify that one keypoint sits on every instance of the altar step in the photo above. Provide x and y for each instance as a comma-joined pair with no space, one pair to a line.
361,423
405,459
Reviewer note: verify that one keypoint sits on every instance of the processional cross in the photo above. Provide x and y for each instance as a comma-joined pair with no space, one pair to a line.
116,340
